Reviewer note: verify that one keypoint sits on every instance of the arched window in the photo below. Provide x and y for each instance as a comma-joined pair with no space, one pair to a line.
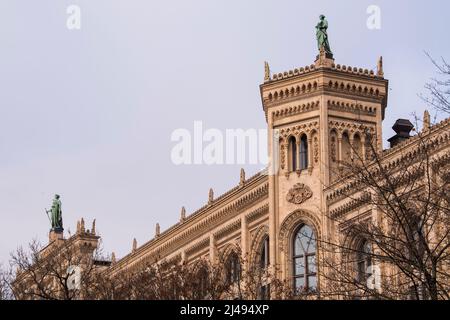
303,152
202,283
346,148
264,256
304,259
292,154
233,268
364,261
357,148
264,262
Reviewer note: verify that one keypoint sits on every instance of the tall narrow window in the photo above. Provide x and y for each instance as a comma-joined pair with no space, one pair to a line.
304,259
233,268
346,148
264,293
357,148
202,278
364,261
264,258
292,154
303,152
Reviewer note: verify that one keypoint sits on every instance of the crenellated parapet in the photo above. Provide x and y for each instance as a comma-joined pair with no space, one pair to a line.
311,68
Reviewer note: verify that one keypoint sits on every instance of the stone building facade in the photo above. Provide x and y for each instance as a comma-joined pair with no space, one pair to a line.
318,117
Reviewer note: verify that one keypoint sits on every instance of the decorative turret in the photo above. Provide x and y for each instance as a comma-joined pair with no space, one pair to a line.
317,113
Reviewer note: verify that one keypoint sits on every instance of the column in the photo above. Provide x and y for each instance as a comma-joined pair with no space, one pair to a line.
212,249
339,149
244,232
285,157
352,151
310,153
363,148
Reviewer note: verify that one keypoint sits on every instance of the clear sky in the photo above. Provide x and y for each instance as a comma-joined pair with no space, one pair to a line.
89,113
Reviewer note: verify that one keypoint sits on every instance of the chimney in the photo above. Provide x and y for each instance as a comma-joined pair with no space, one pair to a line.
402,128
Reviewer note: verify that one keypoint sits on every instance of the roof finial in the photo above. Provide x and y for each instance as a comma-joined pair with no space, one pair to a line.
266,71
183,214
211,196
426,120
157,230
113,258
380,71
78,227
82,229
242,177
134,245
93,227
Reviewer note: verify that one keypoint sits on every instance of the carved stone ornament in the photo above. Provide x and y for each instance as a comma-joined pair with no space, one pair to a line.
299,194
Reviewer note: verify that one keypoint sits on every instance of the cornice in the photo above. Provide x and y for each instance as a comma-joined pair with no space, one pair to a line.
364,216
199,245
294,110
313,88
296,130
228,229
350,206
254,215
359,108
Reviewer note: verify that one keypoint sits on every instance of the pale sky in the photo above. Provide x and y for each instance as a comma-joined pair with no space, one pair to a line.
89,113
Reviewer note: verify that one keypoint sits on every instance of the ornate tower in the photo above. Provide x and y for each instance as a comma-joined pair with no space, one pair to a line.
317,117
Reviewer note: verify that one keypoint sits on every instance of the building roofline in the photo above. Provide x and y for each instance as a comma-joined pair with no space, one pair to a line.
166,234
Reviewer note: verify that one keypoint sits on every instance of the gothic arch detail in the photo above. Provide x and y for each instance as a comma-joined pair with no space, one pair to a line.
291,222
255,248
228,249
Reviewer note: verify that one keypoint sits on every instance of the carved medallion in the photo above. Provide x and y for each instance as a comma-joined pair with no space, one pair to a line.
299,194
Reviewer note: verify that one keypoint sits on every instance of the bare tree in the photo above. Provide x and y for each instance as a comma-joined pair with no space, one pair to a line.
61,270
198,280
5,284
439,88
406,246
